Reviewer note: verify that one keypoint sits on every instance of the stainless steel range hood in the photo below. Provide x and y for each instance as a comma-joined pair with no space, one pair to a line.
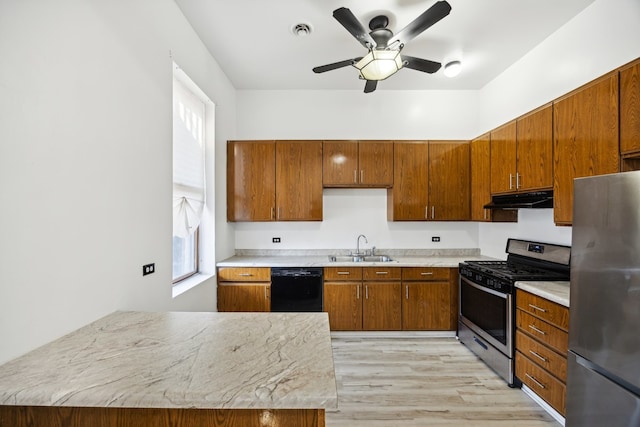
533,200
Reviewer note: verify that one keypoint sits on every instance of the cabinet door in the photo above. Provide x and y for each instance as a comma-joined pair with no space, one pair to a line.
343,303
449,176
251,181
630,109
408,199
585,140
534,168
375,163
340,163
426,306
299,180
382,306
480,178
503,159
237,296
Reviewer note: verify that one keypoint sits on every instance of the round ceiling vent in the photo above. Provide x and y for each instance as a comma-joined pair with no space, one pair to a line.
301,30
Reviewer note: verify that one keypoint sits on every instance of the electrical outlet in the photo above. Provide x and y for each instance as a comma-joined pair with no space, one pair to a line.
275,240
148,269
435,238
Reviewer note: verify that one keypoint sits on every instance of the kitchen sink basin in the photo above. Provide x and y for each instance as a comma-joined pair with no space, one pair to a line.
359,258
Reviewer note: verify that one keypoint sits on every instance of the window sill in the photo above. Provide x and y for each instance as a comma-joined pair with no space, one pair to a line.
190,283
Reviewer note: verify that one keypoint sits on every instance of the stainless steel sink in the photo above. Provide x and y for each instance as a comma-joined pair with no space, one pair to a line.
359,258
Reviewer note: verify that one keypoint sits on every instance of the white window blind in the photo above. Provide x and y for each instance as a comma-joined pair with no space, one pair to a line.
188,160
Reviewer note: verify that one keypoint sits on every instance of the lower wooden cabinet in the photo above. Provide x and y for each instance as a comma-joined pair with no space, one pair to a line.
244,289
542,343
390,298
343,303
381,310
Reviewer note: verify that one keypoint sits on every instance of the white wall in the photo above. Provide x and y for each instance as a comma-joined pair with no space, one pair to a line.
600,39
603,37
355,115
85,162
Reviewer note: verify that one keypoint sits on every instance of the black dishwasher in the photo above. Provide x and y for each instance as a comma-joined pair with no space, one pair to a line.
296,289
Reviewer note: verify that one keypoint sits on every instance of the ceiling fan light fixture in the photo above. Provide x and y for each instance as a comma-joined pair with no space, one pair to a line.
379,64
452,68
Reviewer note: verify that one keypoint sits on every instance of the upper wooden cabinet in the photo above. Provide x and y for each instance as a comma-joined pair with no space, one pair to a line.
480,178
358,164
449,178
630,110
534,154
274,181
585,139
431,181
522,153
299,181
408,199
251,181
503,158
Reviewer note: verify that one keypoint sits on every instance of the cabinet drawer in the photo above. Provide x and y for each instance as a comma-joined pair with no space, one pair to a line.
543,384
549,311
342,273
244,274
381,273
425,273
550,335
542,356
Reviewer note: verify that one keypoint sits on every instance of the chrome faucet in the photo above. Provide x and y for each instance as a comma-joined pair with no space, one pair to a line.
358,244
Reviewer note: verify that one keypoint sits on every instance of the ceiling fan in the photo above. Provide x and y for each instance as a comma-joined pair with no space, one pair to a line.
384,58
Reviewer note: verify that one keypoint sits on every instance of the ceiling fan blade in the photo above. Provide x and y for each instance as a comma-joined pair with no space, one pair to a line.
335,65
351,23
432,15
420,64
370,86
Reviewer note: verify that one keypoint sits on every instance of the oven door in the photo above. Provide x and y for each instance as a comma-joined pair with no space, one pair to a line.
487,313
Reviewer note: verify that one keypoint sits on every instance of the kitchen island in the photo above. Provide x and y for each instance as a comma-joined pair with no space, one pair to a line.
176,369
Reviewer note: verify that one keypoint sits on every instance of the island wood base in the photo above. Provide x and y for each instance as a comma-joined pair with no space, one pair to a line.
59,416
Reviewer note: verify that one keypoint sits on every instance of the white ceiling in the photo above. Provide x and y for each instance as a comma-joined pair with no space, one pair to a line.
253,42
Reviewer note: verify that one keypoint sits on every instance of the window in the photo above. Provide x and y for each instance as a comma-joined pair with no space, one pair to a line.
189,177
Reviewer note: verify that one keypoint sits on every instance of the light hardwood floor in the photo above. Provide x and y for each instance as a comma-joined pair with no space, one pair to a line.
402,382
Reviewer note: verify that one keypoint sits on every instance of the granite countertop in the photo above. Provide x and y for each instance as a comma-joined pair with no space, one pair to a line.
554,291
320,258
181,360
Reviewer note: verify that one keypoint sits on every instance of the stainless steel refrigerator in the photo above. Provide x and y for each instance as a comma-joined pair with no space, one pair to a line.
603,383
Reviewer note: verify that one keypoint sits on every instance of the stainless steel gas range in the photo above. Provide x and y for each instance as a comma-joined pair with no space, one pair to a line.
487,292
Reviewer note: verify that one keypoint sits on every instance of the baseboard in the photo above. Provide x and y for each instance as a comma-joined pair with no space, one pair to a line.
555,414
392,334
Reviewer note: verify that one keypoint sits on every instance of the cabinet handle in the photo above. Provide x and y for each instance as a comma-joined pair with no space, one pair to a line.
538,383
358,292
485,213
361,176
266,296
366,292
273,211
355,176
433,212
426,273
343,273
279,212
537,330
406,291
382,272
510,181
426,212
245,274
535,307
517,181
538,356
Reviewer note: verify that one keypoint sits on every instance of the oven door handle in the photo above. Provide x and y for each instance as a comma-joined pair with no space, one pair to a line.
484,289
